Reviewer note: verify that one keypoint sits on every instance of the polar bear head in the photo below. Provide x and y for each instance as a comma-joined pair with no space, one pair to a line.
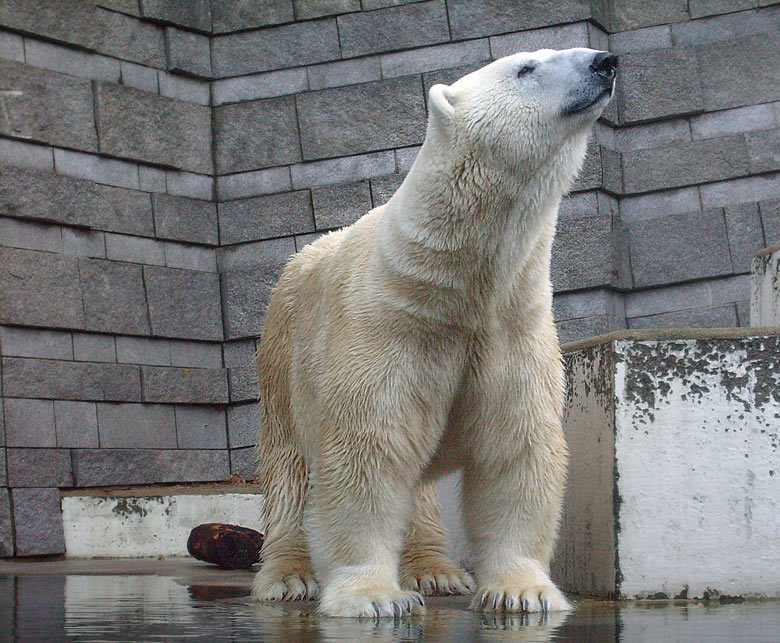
521,110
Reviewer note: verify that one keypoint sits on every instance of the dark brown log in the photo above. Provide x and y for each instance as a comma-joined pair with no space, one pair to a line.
227,546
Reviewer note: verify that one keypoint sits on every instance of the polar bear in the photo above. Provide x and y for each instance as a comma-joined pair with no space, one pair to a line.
419,341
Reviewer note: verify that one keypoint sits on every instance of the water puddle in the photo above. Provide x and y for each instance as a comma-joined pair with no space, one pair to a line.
158,608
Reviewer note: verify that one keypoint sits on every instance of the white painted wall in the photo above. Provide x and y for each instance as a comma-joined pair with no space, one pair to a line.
149,526
765,289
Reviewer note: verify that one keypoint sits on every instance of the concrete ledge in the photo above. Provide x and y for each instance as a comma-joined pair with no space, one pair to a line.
672,488
151,521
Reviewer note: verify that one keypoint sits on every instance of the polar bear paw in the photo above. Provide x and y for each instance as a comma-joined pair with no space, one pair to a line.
373,603
511,599
438,581
275,585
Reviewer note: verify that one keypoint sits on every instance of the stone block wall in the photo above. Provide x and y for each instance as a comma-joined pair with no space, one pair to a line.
160,161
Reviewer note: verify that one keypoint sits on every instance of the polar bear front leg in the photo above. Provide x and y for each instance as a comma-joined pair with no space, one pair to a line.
360,506
511,504
425,565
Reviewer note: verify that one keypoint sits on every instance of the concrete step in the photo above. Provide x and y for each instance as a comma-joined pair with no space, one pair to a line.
765,288
136,522
674,482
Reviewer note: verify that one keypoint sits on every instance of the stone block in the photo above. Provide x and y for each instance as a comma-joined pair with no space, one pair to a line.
121,247
20,154
558,37
724,316
305,9
646,39
59,380
339,205
244,384
272,119
195,354
342,170
201,427
589,252
405,63
138,426
244,462
660,204
711,30
384,187
55,20
140,77
49,107
263,217
182,88
248,14
473,18
405,157
128,38
751,188
185,219
764,151
590,303
94,348
142,350
152,128
733,121
745,234
39,468
679,248
658,83
185,385
101,467
268,85
114,297
28,342
6,526
642,413
129,7
247,256
574,330
96,168
39,289
188,184
685,163
37,522
245,292
346,72
414,25
187,257
83,243
76,424
188,52
250,52
195,14
302,240
43,196
243,425
700,8
379,115
633,14
257,183
240,354
652,135
151,179
700,294
29,423
183,303
756,82
770,221
11,47
66,60
765,288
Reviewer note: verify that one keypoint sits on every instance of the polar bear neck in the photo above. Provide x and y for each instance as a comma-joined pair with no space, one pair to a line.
471,228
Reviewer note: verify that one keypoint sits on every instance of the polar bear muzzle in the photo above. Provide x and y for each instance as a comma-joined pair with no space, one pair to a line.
599,83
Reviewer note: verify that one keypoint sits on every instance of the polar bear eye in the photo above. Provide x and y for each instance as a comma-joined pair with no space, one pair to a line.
524,71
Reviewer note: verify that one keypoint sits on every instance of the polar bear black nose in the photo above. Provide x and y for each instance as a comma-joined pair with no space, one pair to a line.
604,64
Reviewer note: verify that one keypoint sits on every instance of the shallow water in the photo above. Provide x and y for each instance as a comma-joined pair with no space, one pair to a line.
158,608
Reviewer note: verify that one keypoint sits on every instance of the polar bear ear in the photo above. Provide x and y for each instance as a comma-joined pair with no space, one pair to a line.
441,101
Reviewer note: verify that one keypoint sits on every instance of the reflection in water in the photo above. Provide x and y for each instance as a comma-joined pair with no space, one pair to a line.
155,608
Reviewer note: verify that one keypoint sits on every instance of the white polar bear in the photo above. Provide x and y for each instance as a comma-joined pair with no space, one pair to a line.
420,340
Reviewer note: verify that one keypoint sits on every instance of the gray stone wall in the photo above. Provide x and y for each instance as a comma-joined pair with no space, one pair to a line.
160,161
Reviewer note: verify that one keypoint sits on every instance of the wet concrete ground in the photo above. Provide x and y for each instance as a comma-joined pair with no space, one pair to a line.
145,600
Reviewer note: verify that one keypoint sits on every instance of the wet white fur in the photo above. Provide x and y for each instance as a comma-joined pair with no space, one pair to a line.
421,340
